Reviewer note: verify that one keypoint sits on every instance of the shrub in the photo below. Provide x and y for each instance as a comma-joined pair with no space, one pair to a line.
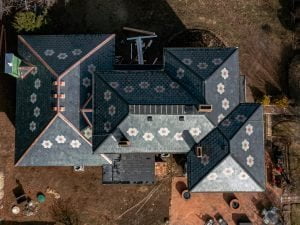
282,102
29,21
265,100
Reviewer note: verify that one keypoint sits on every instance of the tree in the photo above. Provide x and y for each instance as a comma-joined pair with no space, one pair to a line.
282,102
29,21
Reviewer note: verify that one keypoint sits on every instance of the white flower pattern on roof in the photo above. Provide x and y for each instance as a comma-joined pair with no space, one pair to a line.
132,132
163,131
107,126
180,73
36,111
220,88
144,84
75,144
60,139
33,98
250,160
224,73
178,136
86,82
128,89
187,61
249,129
114,84
87,132
225,104
174,85
220,117
205,160
91,68
76,51
202,65
228,171
245,145
241,118
212,176
34,71
32,126
47,144
111,110
49,52
226,123
159,89
107,95
243,176
148,136
195,131
62,55
37,83
217,61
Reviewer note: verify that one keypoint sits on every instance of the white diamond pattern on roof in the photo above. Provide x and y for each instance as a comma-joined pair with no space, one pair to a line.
49,52
245,145
243,176
187,61
202,65
159,89
180,73
249,129
87,132
33,98
212,176
60,139
250,160
228,171
220,117
144,84
241,118
77,51
226,123
37,83
47,144
128,89
91,68
107,95
174,85
111,110
86,82
32,126
205,160
34,71
195,131
163,131
217,61
132,132
220,88
75,144
36,111
224,73
114,84
148,136
225,104
62,56
178,136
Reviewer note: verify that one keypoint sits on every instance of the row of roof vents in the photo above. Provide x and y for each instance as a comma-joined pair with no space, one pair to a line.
59,96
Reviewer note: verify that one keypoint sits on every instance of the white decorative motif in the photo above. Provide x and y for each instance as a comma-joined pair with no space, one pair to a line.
128,89
202,66
91,68
111,110
75,144
132,132
174,85
86,82
49,52
114,84
228,171
37,83
224,73
212,176
159,89
241,118
225,104
47,144
88,133
60,139
32,126
180,73
226,123
217,61
107,126
34,71
249,129
187,61
36,111
243,176
205,159
148,136
163,131
107,95
245,145
33,98
195,131
220,88
178,136
144,84
250,160
76,51
220,117
62,56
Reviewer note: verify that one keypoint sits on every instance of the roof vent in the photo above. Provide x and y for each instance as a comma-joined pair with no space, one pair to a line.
149,118
59,83
181,118
204,108
59,109
199,152
124,143
61,96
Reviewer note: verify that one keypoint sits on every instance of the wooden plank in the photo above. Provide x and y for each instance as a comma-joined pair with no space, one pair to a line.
138,31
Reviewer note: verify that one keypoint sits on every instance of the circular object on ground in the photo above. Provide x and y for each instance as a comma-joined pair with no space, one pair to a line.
234,203
41,198
15,210
186,194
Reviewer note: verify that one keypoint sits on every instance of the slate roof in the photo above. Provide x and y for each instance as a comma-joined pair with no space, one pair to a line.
72,59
